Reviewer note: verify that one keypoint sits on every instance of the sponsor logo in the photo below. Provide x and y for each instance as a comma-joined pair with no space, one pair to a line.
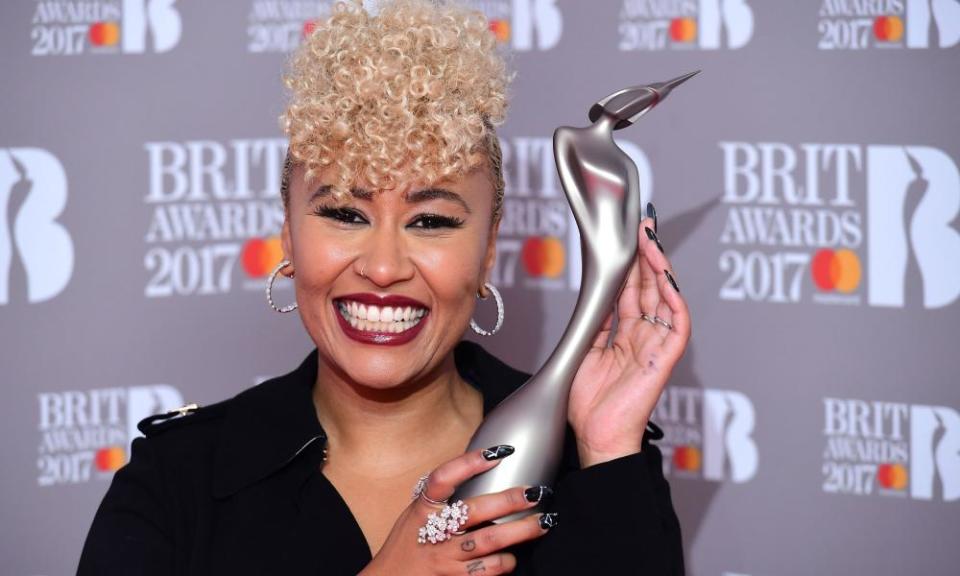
73,27
215,212
280,25
538,245
85,434
850,25
708,434
684,24
524,25
36,251
891,449
812,218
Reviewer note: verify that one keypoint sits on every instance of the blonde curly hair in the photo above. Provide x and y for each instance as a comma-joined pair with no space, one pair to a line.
416,88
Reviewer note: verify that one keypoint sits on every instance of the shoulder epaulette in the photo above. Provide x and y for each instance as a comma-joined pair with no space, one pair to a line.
188,413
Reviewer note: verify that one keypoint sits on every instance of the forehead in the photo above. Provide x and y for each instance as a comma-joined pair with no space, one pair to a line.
475,185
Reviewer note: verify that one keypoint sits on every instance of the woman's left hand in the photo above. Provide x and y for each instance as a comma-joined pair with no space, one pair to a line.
617,386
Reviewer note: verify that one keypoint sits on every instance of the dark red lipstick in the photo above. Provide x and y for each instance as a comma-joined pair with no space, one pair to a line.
373,337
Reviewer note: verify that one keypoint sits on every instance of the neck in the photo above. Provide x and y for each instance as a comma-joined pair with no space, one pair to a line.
397,427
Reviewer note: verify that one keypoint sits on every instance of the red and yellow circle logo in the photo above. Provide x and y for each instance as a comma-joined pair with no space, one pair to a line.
500,29
836,270
888,28
110,459
683,30
104,33
260,256
543,256
686,458
892,476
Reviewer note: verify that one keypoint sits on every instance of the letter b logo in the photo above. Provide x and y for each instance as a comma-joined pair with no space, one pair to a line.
540,19
36,252
913,197
728,420
159,17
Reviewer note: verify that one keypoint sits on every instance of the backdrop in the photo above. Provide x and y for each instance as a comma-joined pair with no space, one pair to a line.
808,190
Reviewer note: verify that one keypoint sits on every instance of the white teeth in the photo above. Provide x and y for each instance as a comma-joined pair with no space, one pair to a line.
376,319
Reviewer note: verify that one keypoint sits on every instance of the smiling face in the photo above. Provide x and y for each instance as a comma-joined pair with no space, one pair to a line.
423,250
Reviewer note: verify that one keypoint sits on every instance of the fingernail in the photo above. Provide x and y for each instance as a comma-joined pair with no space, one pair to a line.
672,281
652,213
497,452
537,493
653,236
548,520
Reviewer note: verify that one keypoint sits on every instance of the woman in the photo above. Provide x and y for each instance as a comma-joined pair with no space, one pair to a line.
393,192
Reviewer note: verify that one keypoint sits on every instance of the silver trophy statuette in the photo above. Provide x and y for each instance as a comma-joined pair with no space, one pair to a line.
603,189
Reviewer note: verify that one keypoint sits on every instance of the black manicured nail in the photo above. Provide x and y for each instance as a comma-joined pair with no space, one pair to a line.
672,281
497,452
548,520
652,213
537,493
653,236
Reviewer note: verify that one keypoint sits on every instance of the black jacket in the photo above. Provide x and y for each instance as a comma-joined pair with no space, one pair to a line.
234,488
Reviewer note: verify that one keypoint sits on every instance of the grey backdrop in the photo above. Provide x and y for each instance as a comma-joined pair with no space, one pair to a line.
808,193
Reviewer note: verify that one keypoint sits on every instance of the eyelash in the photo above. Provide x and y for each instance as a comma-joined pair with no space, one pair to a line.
348,216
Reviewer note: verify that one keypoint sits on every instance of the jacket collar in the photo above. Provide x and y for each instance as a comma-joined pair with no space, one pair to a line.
274,423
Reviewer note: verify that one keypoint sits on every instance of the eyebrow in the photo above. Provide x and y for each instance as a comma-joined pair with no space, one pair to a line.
423,195
326,189
434,194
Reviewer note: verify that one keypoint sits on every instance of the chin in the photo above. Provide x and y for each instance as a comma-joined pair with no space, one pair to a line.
381,370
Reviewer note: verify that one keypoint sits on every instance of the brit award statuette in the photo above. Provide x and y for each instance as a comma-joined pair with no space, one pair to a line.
602,186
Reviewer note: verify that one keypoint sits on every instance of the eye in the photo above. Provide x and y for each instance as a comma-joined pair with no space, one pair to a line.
344,215
434,221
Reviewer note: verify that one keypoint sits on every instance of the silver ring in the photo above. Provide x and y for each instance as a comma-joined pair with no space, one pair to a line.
420,491
442,525
663,322
647,317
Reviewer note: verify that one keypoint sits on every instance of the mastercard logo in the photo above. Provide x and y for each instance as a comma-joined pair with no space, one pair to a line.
892,476
260,255
308,27
888,28
110,459
500,29
543,256
683,30
686,458
836,270
104,33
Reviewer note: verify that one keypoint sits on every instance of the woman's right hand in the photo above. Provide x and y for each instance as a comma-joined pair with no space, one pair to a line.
478,551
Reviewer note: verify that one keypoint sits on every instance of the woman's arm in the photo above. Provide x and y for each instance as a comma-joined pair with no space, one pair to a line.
615,517
129,534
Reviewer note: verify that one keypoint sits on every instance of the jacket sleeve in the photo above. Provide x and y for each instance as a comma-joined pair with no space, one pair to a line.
614,518
129,534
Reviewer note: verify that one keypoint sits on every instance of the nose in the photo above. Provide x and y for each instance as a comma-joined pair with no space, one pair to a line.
385,259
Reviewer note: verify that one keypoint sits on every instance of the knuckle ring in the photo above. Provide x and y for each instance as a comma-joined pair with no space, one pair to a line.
648,318
440,526
420,491
663,322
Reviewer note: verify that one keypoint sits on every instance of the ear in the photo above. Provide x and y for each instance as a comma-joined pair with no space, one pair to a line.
286,241
286,236
491,256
